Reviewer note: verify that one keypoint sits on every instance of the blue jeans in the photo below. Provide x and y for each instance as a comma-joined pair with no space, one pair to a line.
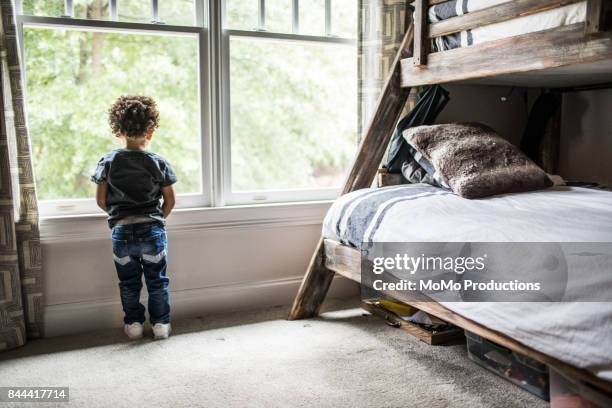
140,249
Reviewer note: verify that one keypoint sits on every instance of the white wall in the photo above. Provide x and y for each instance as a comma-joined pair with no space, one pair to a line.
216,264
586,137
220,259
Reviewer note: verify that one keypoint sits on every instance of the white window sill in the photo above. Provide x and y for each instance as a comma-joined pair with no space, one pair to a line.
86,227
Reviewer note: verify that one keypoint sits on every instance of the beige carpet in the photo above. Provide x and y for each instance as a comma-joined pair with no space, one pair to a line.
258,359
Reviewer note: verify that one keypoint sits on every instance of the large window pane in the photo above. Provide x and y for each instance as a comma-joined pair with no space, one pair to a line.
91,9
241,14
177,12
293,113
312,17
72,79
279,16
344,18
52,8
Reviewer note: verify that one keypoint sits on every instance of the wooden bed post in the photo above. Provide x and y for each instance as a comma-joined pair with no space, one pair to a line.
371,150
421,39
596,16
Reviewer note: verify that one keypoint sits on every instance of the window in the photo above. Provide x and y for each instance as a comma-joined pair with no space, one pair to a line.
177,12
292,119
75,67
74,76
283,93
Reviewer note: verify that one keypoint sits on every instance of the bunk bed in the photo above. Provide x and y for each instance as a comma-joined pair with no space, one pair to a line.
571,53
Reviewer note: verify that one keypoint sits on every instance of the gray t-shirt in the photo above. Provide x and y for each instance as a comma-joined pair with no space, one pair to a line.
134,179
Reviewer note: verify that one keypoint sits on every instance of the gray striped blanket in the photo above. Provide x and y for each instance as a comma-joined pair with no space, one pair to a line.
566,15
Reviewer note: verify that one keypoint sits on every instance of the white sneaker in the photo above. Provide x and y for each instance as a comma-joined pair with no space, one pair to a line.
161,331
133,331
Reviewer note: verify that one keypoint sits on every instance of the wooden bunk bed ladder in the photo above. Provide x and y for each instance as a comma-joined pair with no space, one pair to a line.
371,150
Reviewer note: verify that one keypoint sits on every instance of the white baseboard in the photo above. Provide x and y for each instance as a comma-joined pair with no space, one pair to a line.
81,317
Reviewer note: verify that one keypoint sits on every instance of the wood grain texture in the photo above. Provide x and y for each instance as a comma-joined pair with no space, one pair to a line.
383,178
340,259
430,337
421,42
534,52
441,312
495,14
594,16
313,288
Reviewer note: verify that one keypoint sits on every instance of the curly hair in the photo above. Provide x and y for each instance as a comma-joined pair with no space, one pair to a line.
133,116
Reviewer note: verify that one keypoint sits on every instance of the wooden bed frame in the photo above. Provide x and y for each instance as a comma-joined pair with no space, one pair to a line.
579,54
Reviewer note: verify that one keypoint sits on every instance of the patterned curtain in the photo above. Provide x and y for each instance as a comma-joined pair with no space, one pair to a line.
20,254
382,24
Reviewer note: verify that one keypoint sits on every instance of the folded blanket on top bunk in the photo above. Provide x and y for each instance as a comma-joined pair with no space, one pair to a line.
566,15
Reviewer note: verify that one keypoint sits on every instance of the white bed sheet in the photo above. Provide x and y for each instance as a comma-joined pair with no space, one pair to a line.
579,333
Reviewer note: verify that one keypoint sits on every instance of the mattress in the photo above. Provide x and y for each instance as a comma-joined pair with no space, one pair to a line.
575,331
561,16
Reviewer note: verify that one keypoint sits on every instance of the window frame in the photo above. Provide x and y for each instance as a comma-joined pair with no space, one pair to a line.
214,96
78,206
259,32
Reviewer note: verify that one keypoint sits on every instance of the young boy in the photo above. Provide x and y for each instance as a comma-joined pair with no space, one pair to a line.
131,181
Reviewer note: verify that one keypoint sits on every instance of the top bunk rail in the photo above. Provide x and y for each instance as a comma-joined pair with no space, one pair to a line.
494,14
584,42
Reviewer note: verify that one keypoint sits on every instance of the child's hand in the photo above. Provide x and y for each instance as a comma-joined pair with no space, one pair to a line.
169,200
101,195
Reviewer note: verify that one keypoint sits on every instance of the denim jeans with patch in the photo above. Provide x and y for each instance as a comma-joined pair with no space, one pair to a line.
140,249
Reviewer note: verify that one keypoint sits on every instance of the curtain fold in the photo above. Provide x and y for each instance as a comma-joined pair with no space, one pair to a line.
382,24
21,306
